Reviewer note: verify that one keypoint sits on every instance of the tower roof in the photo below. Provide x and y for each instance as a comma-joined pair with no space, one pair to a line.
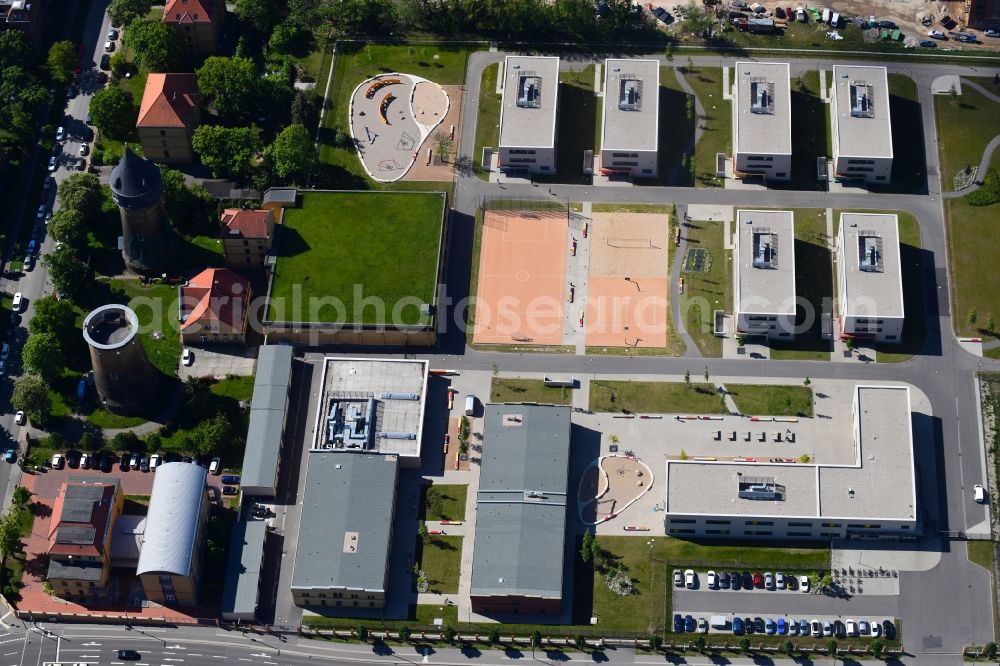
136,182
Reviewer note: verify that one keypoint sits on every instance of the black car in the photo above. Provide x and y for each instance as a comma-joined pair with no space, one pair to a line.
747,580
105,463
889,630
839,629
73,459
758,625
123,462
230,490
735,580
779,12
231,479
261,511
748,626
106,62
678,623
724,581
129,655
144,464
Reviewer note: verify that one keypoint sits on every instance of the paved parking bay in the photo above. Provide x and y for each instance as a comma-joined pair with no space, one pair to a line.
788,604
219,362
871,619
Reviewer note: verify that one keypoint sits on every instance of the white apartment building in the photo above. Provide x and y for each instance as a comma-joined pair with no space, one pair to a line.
861,123
630,131
762,120
528,114
764,274
869,277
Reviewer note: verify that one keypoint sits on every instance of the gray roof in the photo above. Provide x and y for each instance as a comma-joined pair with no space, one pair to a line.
531,124
764,289
870,293
267,416
631,126
867,131
521,503
243,567
346,523
126,541
282,195
769,132
75,570
173,520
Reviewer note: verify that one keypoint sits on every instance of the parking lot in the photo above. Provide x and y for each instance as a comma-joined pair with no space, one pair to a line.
740,623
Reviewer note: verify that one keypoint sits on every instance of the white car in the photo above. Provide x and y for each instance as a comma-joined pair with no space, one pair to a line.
828,629
689,579
154,461
992,33
852,628
48,218
713,580
60,133
702,625
678,578
17,303
109,46
769,580
979,493
817,628
936,34
84,149
53,163
779,580
187,358
19,418
804,583
215,467
58,461
876,629
3,368
85,461
40,213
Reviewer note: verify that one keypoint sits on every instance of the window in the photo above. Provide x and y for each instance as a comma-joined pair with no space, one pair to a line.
166,154
544,168
626,155
682,521
791,524
829,535
780,174
759,522
865,526
163,133
758,532
520,151
759,158
721,532
716,521
626,163
879,177
170,597
890,337
647,171
680,530
861,161
166,580
799,534
522,160
829,525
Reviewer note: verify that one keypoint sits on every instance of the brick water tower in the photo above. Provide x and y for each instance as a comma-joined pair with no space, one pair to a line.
123,375
137,188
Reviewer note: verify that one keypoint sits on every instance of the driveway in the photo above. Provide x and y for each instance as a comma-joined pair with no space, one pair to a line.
219,362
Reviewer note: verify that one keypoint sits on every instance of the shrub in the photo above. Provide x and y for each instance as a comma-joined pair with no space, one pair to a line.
988,193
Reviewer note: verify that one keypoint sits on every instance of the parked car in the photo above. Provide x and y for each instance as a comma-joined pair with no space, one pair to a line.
105,62
747,580
817,629
20,418
839,629
4,352
187,358
735,580
876,629
793,628
58,461
748,625
713,580
40,213
678,578
10,455
827,629
231,479
109,46
779,12
60,133
230,490
992,33
737,626
17,303
864,628
852,628
779,580
889,629
84,149
804,583
724,580
678,623
134,461
215,467
53,163
73,459
689,624
758,579
782,626
85,461
123,462
261,511
758,625
979,493
113,34
144,464
154,461
791,583
769,626
804,627
702,625
690,580
769,580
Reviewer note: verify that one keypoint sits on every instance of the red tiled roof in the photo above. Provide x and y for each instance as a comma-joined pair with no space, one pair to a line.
169,100
65,531
188,11
215,295
244,223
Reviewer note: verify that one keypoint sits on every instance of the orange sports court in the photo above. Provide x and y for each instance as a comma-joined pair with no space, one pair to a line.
521,297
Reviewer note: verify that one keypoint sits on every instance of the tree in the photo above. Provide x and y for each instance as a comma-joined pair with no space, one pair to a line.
687,378
404,634
494,636
597,552
580,641
229,84
256,13
61,61
81,191
31,396
831,648
820,584
123,12
422,531
43,356
878,647
745,645
449,634
696,21
21,497
293,152
362,633
10,534
655,642
212,435
807,381
586,547
69,226
191,209
156,45
126,440
699,643
972,318
68,274
14,49
112,111
788,648
54,316
90,441
227,151
284,37
536,638
990,323
706,373
990,650
304,110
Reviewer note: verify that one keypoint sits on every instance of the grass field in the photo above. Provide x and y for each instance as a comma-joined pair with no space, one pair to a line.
529,390
965,125
577,123
981,553
445,502
340,252
716,123
810,131
156,307
707,291
673,144
772,399
441,561
655,397
488,119
909,164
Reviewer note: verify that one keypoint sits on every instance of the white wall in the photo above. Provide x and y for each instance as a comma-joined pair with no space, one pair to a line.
773,167
642,164
535,160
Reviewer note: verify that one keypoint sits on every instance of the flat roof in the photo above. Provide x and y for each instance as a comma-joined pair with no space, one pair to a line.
765,262
762,109
530,101
243,567
861,101
876,290
267,416
879,484
521,502
397,390
631,105
346,523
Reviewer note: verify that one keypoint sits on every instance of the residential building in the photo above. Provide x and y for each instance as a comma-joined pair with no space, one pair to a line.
630,132
80,535
214,307
198,22
861,124
27,16
869,277
170,559
372,405
168,115
246,236
529,114
518,564
241,590
764,274
345,530
268,416
762,120
873,496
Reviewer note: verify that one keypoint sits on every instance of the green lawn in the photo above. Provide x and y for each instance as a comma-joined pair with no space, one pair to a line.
673,114
909,164
442,562
772,399
981,553
356,62
965,125
340,252
488,120
810,131
655,397
156,307
576,125
108,150
506,389
707,291
717,128
445,502
234,387
813,282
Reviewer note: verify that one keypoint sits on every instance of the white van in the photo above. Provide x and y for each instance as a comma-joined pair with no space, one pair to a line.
979,493
826,16
835,20
470,405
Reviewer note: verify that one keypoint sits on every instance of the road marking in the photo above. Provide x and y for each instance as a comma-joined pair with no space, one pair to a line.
7,654
176,647
91,644
90,656
171,659
195,654
244,659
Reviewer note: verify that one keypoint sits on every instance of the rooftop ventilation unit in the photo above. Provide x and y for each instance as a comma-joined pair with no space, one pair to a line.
870,252
862,100
761,95
529,90
760,488
765,249
630,93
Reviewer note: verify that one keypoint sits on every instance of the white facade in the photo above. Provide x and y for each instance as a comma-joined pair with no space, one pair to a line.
869,278
762,120
630,122
764,274
529,114
861,124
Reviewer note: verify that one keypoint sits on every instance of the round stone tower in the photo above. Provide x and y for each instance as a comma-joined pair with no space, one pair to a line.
123,375
137,188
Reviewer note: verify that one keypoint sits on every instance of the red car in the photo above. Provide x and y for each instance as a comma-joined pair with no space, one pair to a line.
758,580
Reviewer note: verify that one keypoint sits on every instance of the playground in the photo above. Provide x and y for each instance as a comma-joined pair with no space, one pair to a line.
522,277
628,293
610,485
391,116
